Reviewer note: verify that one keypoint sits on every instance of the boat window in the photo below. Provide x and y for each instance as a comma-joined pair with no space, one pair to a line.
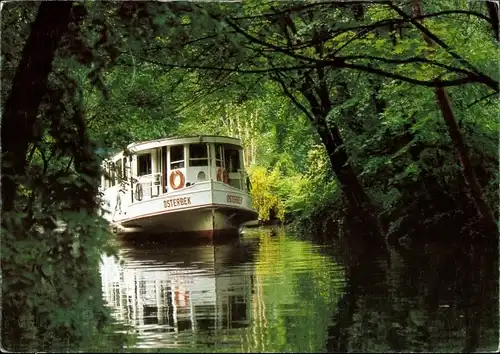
143,164
112,174
218,155
125,168
198,155
232,159
176,156
119,170
107,176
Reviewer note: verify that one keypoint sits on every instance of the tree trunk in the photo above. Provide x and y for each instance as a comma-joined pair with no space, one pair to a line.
352,188
464,159
460,147
28,88
493,12
348,180
317,93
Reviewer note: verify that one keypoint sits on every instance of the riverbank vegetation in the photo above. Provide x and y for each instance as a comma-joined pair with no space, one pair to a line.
374,122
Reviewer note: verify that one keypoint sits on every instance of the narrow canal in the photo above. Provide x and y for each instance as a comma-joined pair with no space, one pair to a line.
270,291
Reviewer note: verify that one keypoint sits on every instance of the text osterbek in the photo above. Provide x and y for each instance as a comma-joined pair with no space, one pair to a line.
234,199
175,202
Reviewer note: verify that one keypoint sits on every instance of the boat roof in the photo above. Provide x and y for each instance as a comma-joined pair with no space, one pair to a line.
153,144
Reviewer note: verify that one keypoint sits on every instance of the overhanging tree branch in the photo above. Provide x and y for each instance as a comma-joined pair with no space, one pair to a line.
340,62
278,78
301,8
390,21
396,21
234,69
481,99
411,60
433,83
435,38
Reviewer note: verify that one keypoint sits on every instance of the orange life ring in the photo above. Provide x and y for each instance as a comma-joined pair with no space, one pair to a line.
222,175
172,179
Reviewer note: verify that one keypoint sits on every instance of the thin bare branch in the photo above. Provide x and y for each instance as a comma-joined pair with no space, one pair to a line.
216,68
433,83
277,77
341,63
435,38
309,6
412,60
481,99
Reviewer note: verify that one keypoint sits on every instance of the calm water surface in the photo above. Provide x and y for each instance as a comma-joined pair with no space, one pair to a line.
272,292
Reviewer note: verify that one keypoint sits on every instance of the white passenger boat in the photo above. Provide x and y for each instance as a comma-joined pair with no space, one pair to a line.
177,185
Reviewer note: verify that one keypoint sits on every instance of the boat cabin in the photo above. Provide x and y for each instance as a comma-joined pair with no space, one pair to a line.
152,168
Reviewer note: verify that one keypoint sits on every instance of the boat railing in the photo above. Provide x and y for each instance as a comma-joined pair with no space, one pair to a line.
147,186
243,180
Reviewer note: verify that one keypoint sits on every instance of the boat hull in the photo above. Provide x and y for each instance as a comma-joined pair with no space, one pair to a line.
204,210
204,221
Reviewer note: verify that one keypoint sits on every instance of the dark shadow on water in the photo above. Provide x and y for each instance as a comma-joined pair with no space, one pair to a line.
179,239
228,248
365,280
444,299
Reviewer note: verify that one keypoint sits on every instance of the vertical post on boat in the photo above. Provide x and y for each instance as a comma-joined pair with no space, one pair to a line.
241,167
124,167
164,169
131,179
209,160
158,172
167,170
186,159
153,171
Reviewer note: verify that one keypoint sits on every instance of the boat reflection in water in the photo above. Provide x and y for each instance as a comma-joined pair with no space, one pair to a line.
168,294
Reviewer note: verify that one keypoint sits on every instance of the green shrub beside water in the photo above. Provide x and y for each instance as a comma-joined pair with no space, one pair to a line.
51,288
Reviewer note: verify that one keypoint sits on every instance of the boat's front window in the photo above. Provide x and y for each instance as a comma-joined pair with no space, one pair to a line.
176,157
107,175
144,164
119,170
111,174
218,155
232,159
125,168
198,155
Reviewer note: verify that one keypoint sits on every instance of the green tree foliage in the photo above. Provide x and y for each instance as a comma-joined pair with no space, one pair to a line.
139,107
52,233
264,194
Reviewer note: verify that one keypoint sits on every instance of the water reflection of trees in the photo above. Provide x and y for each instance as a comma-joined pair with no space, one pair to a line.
296,288
445,299
277,297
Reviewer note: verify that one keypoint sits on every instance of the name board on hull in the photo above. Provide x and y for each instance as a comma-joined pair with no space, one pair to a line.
176,202
235,199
